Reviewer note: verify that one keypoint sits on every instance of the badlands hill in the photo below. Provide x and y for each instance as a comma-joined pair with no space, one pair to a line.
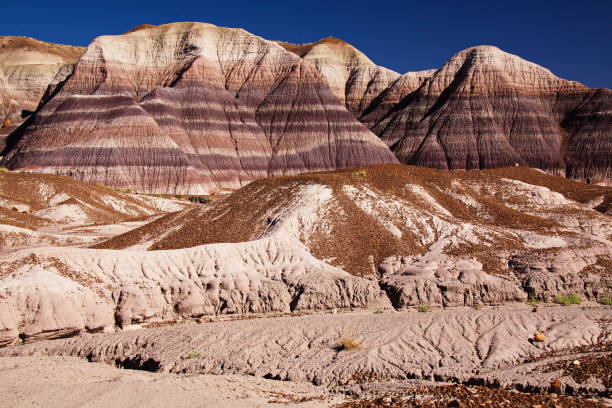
190,107
195,108
373,237
484,108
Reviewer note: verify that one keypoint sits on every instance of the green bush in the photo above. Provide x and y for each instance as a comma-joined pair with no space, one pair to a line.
532,300
379,311
4,170
423,308
192,354
606,300
567,300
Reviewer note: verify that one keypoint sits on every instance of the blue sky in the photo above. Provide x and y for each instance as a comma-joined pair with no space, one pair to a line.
571,38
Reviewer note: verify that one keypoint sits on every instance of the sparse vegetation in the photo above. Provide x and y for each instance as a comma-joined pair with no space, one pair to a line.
4,170
125,190
423,308
359,174
532,300
192,354
349,343
478,306
379,311
606,300
567,300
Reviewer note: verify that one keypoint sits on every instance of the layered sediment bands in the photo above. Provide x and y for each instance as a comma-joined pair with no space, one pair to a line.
353,77
191,107
485,108
27,66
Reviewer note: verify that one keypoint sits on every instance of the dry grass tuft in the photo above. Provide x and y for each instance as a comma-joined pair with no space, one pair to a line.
359,174
349,343
192,354
539,337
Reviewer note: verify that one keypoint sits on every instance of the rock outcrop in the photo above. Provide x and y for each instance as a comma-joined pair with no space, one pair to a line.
441,280
190,107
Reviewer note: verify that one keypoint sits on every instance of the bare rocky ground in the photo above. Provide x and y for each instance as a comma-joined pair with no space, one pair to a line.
400,359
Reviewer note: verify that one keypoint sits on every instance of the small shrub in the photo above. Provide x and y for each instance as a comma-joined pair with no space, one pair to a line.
567,300
423,308
358,174
349,343
192,354
4,170
379,311
533,300
606,300
125,190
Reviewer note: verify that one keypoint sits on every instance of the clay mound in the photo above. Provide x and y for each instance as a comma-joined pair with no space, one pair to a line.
355,218
482,109
190,108
27,66
35,208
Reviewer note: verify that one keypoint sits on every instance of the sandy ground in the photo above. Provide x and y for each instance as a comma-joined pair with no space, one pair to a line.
72,382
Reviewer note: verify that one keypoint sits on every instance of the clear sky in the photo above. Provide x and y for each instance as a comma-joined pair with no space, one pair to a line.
571,38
